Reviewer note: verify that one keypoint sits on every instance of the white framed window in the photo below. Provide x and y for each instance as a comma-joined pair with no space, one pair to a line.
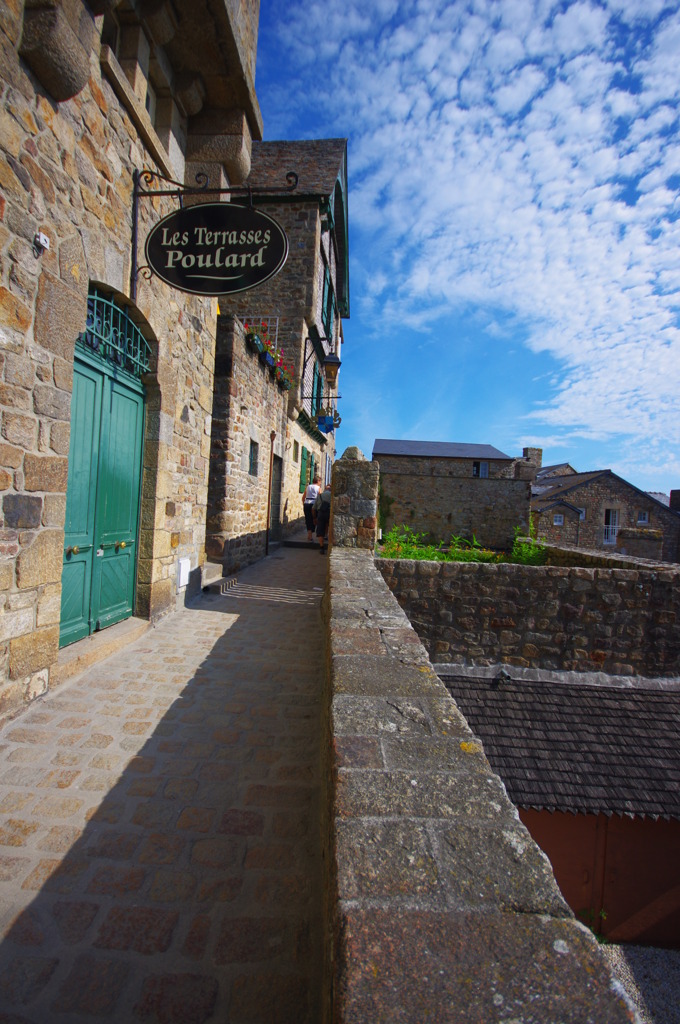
611,525
481,470
558,519
642,517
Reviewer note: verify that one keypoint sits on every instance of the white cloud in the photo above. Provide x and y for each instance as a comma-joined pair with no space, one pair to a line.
506,159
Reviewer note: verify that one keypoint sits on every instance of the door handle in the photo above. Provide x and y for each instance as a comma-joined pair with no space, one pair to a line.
75,549
118,544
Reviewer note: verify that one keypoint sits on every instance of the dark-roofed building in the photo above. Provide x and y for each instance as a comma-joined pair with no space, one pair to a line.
590,510
444,489
268,438
595,773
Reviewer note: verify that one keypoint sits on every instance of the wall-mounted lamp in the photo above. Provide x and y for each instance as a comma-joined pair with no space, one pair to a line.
331,365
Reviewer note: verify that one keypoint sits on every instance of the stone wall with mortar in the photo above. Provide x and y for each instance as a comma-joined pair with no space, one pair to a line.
441,498
66,170
293,297
248,405
618,621
354,508
439,905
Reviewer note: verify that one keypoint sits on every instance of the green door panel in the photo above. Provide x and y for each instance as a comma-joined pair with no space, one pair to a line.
81,496
117,504
102,502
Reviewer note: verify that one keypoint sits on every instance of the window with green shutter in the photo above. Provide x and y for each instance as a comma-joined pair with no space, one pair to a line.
328,304
303,469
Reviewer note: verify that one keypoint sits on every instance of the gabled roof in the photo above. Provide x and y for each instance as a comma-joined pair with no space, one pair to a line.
558,469
438,449
660,496
587,749
549,490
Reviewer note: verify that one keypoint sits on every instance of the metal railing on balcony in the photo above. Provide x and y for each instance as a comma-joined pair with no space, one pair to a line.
610,534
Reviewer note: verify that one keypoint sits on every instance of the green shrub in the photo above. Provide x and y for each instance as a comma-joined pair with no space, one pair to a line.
527,550
403,542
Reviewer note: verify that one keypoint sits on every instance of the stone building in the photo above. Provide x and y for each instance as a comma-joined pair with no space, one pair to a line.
268,436
601,511
106,374
444,489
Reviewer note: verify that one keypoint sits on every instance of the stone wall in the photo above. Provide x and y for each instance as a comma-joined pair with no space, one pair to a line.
66,170
354,507
618,621
440,907
293,297
248,405
441,498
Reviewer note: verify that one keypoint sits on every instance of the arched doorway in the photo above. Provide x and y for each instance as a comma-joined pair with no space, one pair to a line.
105,463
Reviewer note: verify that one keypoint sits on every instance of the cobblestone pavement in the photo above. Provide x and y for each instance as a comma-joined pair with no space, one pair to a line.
159,841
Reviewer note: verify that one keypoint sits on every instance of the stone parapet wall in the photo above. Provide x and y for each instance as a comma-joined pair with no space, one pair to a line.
354,509
619,621
594,559
440,907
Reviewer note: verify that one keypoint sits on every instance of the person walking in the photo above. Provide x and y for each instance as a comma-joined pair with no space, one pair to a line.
310,495
323,515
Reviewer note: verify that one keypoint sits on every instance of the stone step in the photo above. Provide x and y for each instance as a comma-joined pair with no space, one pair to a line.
75,658
211,572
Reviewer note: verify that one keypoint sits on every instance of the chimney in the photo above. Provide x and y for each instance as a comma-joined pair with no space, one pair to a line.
675,501
534,456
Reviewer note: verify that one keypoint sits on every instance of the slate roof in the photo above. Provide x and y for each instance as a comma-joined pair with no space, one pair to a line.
553,487
582,748
317,163
552,470
550,489
438,449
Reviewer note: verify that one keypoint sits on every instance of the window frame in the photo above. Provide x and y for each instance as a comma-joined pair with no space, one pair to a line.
253,458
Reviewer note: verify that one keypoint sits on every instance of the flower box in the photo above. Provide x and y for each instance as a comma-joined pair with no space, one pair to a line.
253,342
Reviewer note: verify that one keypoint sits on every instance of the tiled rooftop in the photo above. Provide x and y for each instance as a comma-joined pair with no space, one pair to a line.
580,748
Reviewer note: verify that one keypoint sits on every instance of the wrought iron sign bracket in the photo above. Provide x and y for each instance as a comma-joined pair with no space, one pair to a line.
141,189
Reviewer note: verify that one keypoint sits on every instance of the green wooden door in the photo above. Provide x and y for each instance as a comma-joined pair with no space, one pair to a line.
102,499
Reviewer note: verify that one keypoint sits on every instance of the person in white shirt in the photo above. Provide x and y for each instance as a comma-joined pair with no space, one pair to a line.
310,495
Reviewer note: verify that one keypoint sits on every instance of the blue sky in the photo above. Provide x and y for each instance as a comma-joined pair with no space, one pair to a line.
514,210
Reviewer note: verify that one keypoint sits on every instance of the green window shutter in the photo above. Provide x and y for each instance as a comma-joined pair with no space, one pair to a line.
303,469
315,379
311,466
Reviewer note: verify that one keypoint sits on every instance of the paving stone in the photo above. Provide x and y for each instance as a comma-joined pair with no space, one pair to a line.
177,999
73,919
25,978
145,930
93,986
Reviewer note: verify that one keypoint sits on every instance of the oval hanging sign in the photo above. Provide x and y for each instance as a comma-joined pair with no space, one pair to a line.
216,248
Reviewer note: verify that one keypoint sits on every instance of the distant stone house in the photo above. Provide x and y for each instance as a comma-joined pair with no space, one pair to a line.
268,441
601,511
441,489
